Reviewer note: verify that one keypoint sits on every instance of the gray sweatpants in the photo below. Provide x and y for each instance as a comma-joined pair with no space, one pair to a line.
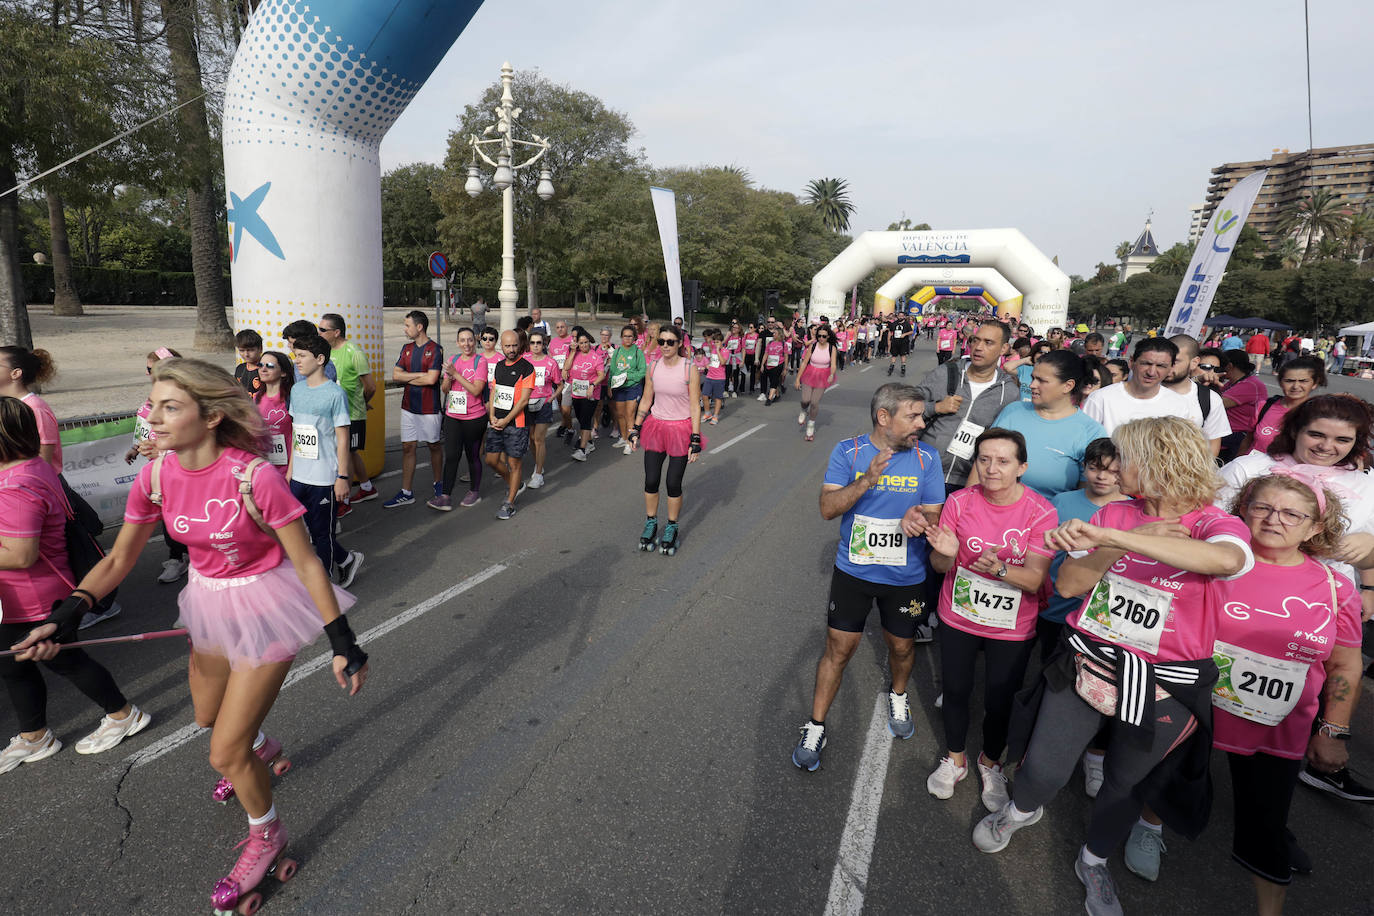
1063,728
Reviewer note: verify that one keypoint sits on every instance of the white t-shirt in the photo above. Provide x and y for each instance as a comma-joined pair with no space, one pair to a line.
977,388
1113,405
1216,425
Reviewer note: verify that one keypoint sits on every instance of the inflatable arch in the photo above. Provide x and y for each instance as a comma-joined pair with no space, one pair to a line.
1043,286
314,86
994,288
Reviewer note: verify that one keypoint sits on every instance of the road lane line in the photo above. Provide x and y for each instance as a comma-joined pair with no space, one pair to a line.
864,369
729,442
176,739
849,880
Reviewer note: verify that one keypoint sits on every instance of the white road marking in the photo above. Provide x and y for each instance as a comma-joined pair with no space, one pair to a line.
176,739
729,442
864,369
849,880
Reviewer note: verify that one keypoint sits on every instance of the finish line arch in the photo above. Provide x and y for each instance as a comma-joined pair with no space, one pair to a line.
1043,286
1003,294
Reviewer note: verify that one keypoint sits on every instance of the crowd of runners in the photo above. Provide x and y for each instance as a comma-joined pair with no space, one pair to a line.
1190,556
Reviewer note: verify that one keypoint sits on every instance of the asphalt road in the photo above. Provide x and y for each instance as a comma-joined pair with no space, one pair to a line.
558,722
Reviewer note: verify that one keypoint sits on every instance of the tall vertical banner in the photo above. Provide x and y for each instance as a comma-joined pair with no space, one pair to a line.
1213,250
665,211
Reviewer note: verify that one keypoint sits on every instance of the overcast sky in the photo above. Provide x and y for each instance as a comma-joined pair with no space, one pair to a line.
1066,120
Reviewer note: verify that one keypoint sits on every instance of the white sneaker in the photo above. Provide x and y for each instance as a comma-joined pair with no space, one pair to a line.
591,446
994,786
763,397
113,731
579,455
172,570
629,447
22,751
1092,773
947,775
536,480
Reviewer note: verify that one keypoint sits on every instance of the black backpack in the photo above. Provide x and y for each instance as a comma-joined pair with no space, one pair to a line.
1204,400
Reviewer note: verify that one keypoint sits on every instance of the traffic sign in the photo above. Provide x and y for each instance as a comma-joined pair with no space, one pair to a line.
438,264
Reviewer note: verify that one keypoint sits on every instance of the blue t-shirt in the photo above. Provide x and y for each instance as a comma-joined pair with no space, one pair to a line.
329,372
1233,343
912,478
1023,375
1054,448
1069,504
315,412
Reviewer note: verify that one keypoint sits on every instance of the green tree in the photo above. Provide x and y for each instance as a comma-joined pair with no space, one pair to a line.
1313,217
1327,294
830,196
1173,261
1105,273
1250,246
905,225
1123,249
410,220
1359,236
1249,292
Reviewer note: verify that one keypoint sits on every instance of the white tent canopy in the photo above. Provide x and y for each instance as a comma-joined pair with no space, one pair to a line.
1364,331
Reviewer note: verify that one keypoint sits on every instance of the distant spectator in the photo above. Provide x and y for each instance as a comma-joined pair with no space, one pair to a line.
248,342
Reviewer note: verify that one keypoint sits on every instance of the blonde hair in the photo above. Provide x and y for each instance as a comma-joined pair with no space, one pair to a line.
1331,524
1173,458
215,392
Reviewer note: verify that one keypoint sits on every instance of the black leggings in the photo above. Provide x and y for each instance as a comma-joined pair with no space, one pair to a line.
752,370
772,378
1004,667
29,693
653,473
463,437
585,411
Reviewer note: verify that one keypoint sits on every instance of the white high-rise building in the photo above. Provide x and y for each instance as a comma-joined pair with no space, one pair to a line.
1195,223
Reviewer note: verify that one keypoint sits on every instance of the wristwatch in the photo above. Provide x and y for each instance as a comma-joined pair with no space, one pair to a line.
1002,573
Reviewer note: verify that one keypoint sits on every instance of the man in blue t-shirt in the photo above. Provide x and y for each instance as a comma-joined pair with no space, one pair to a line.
887,488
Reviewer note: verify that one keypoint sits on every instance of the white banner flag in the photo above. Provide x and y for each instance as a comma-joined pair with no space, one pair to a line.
665,211
1213,250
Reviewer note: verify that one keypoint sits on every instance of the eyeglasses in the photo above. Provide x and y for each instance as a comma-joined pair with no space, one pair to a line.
1287,517
1209,367
324,330
667,341
488,337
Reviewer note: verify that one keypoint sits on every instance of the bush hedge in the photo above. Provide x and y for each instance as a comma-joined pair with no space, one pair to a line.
107,286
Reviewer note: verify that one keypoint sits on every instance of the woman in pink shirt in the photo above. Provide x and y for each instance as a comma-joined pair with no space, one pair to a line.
1288,642
19,370
276,373
586,372
734,345
463,387
668,426
548,382
816,375
991,547
1242,395
1299,379
256,595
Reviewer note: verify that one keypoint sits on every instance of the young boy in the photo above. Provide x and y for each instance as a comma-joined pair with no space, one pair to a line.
319,449
248,342
299,330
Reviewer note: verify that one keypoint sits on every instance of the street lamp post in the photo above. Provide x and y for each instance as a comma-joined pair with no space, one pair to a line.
503,179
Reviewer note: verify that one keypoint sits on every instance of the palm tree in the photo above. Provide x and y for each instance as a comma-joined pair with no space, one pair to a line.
830,197
1290,252
1123,249
1359,234
1173,261
1318,214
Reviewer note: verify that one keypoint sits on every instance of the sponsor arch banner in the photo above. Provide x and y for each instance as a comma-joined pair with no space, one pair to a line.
990,282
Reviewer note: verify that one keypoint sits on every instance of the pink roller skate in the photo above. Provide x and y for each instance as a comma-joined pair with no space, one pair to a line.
265,844
270,754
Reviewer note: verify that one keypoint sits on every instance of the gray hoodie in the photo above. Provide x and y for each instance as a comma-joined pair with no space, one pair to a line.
982,411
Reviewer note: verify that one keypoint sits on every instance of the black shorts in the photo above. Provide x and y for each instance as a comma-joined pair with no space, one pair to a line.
357,435
901,347
900,607
1263,791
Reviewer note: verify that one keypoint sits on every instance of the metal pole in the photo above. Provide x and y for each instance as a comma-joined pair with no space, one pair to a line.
508,294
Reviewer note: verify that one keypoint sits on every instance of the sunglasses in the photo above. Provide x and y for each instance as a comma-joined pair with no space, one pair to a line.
667,341
269,366
487,337
1209,367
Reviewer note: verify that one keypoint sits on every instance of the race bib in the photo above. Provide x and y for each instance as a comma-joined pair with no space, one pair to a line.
276,449
772,361
458,400
1126,613
581,387
715,361
877,542
1254,686
618,380
143,430
732,345
305,442
491,373
504,397
984,601
540,374
961,446
896,333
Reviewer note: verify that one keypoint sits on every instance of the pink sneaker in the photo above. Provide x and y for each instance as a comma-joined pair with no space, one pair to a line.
471,499
270,754
262,853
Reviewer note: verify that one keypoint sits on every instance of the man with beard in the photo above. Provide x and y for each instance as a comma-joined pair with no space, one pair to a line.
1206,409
887,488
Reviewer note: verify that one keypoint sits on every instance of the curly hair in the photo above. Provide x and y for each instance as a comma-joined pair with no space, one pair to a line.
1344,408
215,392
1331,523
1173,458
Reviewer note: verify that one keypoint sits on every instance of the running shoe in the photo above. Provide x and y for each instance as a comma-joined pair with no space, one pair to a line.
361,496
1092,773
91,618
629,447
343,510
591,446
1101,899
173,569
946,776
536,480
993,832
441,502
112,731
807,753
579,455
994,781
465,477
24,751
402,498
712,421
1143,849
1340,784
471,499
348,570
506,511
762,396
899,723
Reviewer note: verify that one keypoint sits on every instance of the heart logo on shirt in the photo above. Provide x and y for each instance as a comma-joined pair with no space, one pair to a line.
1014,538
1293,606
275,416
218,513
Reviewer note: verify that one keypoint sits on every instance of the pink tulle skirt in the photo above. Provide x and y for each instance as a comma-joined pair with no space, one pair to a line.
672,437
815,377
253,620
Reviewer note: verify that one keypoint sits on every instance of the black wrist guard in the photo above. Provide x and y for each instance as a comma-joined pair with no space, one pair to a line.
67,615
634,432
342,642
694,447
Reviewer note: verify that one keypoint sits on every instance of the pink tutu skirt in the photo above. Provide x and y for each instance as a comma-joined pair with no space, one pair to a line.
253,620
815,377
673,437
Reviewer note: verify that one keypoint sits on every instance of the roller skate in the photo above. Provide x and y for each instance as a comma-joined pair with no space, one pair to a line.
269,753
811,432
667,545
646,539
263,855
